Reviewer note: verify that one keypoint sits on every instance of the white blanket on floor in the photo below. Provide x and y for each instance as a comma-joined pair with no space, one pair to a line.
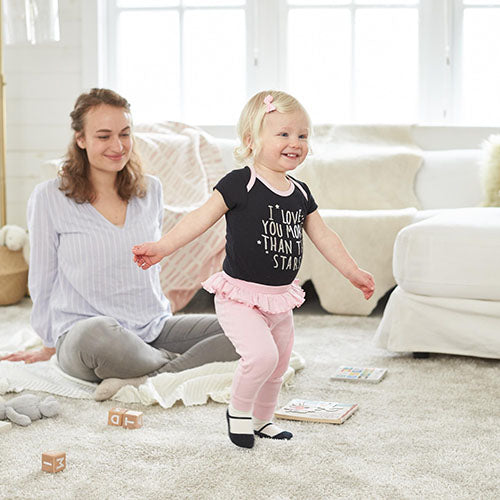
193,387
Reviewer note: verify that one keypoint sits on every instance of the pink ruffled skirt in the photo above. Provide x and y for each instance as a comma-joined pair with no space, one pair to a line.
266,298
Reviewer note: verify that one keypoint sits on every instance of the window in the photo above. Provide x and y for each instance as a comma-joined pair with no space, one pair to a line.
198,61
182,60
479,75
361,56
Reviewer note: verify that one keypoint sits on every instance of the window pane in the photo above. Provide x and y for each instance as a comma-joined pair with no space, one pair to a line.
214,65
318,2
480,70
387,2
148,64
386,65
482,2
319,55
146,3
212,3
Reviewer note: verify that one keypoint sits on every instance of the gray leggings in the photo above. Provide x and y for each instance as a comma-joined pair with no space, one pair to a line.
97,348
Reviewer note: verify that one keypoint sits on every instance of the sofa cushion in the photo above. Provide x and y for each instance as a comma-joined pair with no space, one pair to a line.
454,254
449,179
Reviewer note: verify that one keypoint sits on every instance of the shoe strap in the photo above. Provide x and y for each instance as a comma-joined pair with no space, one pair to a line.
240,425
264,426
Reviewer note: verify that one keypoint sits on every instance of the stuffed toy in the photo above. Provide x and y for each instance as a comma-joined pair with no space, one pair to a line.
22,410
15,238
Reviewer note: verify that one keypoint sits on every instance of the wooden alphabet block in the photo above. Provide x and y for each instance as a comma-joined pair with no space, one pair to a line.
115,416
53,461
132,419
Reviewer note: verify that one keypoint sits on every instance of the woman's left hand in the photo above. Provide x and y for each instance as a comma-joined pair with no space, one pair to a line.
31,356
364,281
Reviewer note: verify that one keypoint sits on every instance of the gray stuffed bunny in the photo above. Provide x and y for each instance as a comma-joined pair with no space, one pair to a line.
22,410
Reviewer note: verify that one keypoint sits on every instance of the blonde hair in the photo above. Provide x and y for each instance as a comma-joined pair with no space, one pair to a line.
74,174
251,118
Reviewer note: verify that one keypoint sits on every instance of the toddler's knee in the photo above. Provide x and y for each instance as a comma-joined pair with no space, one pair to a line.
263,365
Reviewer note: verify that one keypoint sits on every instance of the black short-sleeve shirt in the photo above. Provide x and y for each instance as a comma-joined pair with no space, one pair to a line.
264,227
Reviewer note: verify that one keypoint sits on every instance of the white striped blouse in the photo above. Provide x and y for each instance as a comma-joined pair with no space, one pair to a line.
81,265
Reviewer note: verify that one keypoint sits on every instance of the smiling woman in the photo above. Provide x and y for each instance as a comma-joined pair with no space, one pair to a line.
106,320
101,150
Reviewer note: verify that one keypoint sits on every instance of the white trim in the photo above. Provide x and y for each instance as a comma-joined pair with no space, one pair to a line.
93,39
286,193
266,43
434,77
456,20
89,40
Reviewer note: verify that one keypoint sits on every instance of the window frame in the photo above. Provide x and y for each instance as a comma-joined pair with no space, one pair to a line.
440,46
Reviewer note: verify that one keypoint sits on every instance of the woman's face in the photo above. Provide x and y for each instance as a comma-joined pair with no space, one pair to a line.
106,138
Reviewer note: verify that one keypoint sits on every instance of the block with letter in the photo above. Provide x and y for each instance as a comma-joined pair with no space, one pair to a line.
53,461
115,416
132,419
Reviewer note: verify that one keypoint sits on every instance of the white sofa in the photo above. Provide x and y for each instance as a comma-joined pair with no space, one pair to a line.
447,299
448,178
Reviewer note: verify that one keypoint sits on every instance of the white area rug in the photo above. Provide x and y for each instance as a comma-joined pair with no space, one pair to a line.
430,429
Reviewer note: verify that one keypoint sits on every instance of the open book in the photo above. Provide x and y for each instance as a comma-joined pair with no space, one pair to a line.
356,373
316,411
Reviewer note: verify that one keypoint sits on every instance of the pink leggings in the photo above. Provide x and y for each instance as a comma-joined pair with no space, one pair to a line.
264,341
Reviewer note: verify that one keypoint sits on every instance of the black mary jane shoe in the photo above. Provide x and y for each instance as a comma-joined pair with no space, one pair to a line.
243,440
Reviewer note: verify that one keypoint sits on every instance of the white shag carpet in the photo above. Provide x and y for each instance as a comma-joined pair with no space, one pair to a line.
430,429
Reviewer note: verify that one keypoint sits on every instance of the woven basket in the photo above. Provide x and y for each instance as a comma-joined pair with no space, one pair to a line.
13,276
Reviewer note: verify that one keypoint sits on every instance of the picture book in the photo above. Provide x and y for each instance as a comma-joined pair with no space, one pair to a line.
316,411
356,373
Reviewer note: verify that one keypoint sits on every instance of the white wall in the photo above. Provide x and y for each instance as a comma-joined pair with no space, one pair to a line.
43,82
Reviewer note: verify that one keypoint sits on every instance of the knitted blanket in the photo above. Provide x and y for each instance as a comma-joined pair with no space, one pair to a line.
188,163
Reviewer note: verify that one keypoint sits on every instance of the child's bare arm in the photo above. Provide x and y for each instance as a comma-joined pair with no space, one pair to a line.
331,247
190,227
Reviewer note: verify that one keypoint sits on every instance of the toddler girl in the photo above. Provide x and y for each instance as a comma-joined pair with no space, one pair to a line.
265,211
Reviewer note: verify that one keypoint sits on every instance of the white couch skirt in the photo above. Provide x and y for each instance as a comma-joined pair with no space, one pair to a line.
419,323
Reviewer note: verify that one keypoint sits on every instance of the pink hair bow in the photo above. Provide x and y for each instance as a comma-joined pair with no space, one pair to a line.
268,102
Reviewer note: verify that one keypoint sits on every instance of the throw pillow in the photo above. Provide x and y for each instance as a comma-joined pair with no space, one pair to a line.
490,171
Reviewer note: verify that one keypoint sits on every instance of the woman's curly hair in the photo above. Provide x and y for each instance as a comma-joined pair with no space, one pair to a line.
74,174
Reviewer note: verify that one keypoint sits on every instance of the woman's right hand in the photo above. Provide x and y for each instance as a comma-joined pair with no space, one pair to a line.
148,254
32,356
